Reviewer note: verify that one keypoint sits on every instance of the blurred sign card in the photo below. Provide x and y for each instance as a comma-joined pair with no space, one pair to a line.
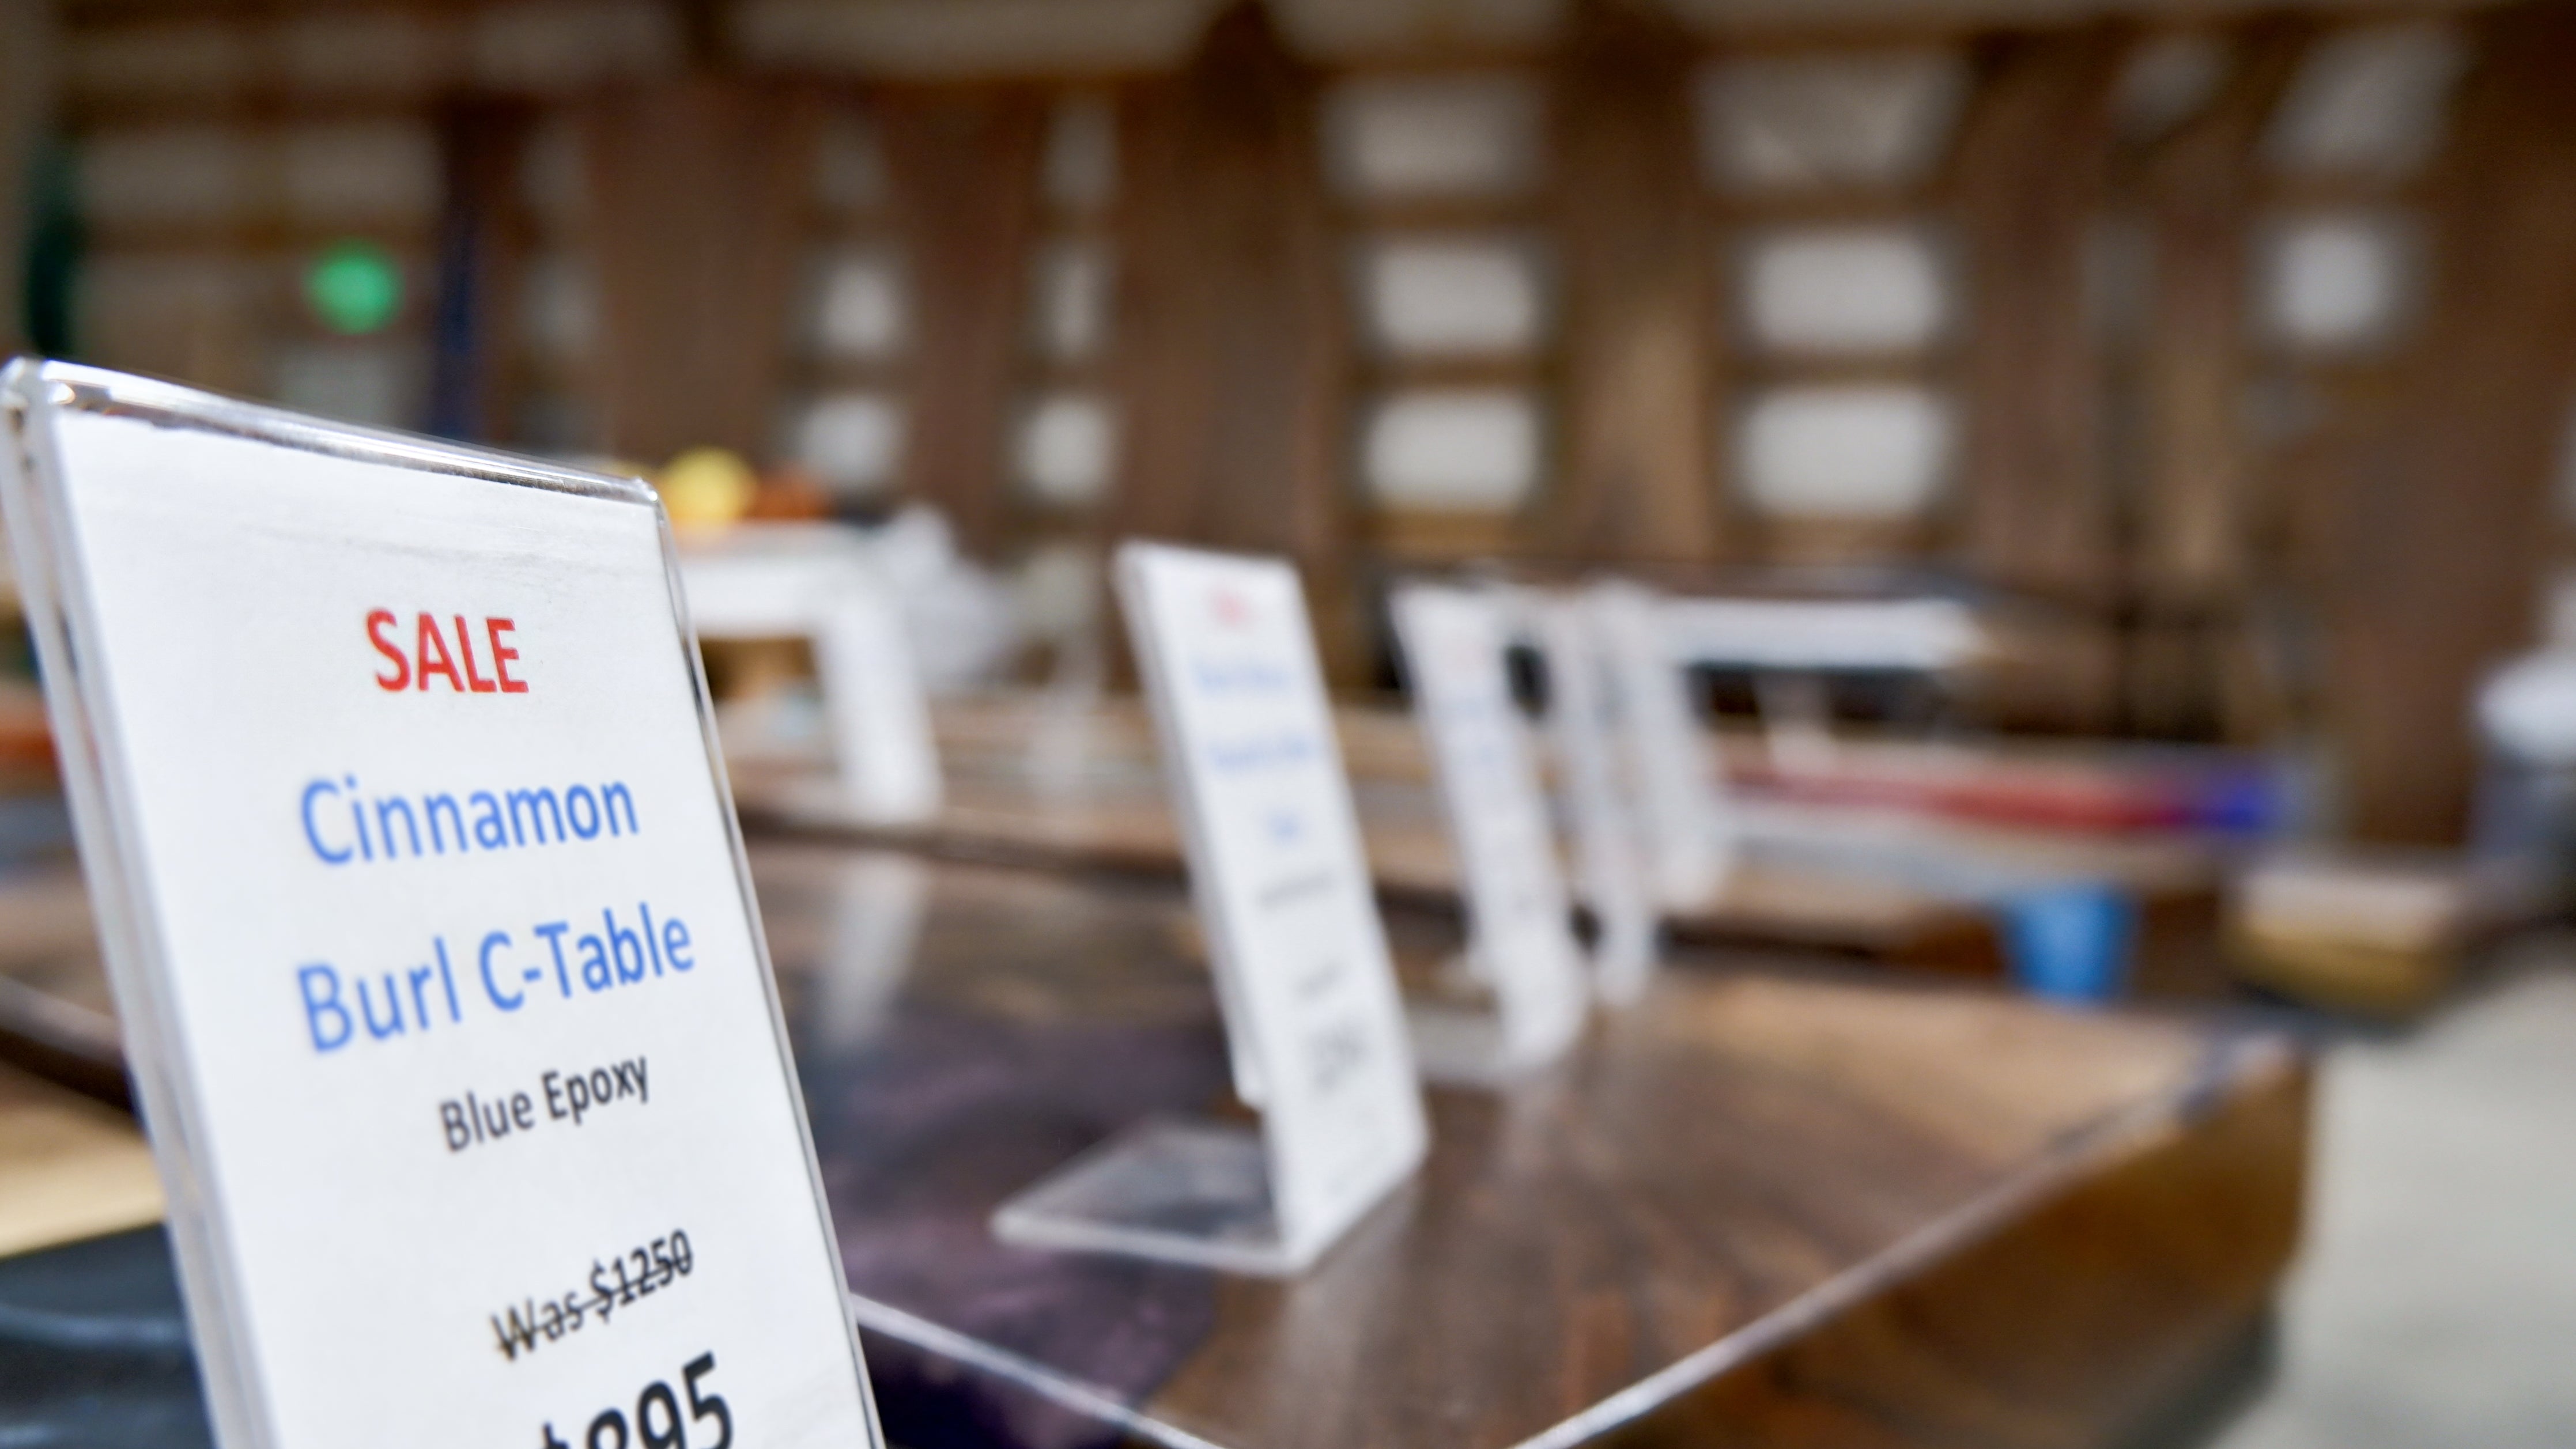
1284,892
429,927
1665,754
1519,919
1610,845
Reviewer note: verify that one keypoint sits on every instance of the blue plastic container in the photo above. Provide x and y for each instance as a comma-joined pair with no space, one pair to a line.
2070,942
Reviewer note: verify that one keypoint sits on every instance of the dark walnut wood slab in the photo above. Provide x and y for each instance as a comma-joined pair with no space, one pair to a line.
1764,1207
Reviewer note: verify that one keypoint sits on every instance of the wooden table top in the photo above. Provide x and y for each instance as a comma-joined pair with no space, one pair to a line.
1720,1180
1765,1199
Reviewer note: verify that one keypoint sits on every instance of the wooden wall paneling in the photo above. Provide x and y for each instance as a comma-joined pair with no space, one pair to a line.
2191,663
700,188
1405,534
2443,536
2028,183
2034,510
1164,313
1231,348
481,262
26,107
963,165
1068,338
2091,1322
1636,460
1748,213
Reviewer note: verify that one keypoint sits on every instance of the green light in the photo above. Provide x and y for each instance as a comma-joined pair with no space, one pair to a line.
354,286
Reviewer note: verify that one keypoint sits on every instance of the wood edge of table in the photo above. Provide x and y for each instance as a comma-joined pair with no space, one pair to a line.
2234,1074
2237,1128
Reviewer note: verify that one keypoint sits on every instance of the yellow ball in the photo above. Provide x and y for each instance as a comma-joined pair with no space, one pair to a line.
706,487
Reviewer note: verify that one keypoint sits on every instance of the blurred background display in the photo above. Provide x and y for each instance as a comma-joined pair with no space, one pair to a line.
2182,333
2136,438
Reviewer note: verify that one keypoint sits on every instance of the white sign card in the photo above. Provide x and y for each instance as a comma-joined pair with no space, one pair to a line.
430,932
1519,918
815,582
1665,756
1281,884
1610,846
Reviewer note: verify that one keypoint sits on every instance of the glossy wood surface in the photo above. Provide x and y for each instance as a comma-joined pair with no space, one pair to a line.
2192,671
1633,249
1232,342
2035,512
963,164
1764,1207
694,187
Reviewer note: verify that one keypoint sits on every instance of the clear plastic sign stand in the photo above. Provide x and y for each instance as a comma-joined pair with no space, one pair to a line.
399,798
878,904
815,582
1679,800
1313,1017
1610,845
1520,944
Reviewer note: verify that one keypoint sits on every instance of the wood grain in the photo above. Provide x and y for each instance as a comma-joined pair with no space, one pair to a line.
2193,668
1636,478
2027,182
963,161
2199,189
699,188
1772,1206
2440,543
1761,1209
1232,348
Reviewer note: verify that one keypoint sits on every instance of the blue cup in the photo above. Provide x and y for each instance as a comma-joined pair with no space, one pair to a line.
2070,942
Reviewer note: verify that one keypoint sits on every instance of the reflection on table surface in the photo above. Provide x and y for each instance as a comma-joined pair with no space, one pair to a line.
1706,1181
1683,1194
